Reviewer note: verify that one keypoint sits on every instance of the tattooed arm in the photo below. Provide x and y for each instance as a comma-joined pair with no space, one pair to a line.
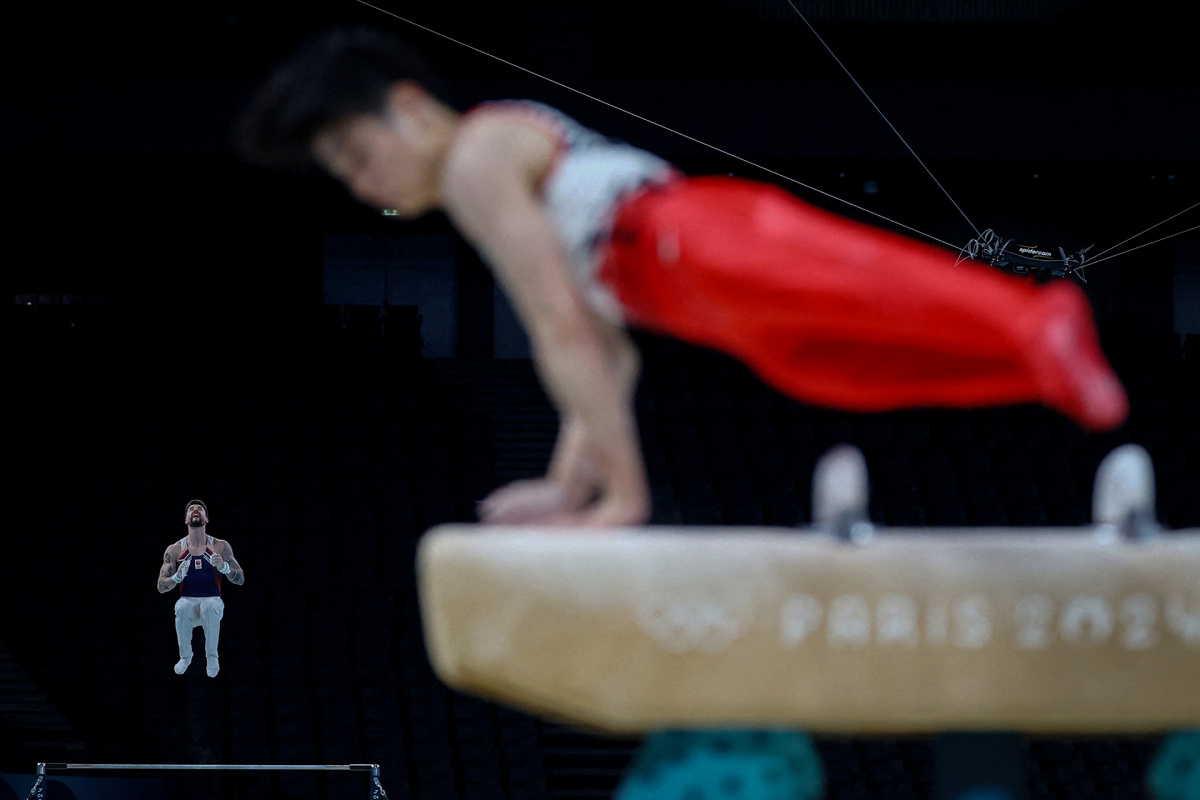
224,555
170,565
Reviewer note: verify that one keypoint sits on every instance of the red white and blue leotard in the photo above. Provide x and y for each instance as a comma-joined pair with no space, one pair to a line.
202,579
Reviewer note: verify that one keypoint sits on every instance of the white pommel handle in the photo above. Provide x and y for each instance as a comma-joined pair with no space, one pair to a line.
840,493
1123,497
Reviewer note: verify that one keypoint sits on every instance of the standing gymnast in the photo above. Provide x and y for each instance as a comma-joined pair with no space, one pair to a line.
588,236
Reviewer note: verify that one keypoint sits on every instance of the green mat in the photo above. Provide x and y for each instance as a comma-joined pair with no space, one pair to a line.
1175,773
724,765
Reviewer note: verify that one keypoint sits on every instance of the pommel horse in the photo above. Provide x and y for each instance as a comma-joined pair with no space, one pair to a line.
843,627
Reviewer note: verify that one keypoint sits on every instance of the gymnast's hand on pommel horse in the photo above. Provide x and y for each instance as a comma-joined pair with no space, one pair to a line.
593,480
587,236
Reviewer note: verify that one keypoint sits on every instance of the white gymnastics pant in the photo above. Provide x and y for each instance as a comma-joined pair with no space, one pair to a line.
193,612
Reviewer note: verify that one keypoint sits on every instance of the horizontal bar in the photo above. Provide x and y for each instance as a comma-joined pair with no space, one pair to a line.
264,767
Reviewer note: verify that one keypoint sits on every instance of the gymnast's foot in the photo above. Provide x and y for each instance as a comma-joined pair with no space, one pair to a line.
214,666
1078,380
181,665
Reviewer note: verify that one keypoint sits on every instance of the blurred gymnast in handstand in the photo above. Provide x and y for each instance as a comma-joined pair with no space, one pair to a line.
588,236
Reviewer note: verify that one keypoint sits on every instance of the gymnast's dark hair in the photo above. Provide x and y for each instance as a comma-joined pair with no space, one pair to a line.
336,74
200,503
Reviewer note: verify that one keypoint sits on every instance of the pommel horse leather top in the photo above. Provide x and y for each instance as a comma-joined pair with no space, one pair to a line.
842,627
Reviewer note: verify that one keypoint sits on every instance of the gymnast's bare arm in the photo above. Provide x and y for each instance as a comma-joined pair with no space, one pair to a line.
489,189
170,563
223,554
572,465
572,479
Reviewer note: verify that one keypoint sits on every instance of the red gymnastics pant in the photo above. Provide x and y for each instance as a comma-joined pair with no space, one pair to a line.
841,314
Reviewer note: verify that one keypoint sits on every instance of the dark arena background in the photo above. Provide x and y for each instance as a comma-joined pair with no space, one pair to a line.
332,382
